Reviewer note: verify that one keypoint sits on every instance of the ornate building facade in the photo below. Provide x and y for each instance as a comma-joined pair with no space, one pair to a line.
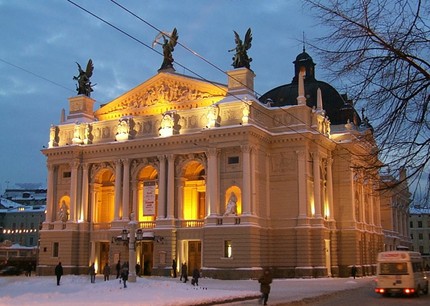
212,176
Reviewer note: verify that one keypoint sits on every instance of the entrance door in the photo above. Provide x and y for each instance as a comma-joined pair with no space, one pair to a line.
194,255
104,256
146,256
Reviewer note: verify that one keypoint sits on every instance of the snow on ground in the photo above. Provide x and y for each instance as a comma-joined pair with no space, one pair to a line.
160,291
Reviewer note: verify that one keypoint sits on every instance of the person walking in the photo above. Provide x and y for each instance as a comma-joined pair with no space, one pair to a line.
124,274
196,276
118,269
184,272
106,272
265,280
174,266
354,271
138,268
92,272
58,272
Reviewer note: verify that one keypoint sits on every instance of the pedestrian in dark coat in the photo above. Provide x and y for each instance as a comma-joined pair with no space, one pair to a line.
196,276
106,272
28,270
124,274
184,272
174,266
265,280
58,272
92,272
138,268
354,271
118,269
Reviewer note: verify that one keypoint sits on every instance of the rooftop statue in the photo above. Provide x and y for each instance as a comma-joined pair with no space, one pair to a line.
84,86
168,46
241,58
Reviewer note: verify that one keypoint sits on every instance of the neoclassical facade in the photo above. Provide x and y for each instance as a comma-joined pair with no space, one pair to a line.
215,177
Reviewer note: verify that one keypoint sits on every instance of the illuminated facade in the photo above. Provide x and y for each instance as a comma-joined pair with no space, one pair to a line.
214,177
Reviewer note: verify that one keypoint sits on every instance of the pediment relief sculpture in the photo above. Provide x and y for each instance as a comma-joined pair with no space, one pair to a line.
161,93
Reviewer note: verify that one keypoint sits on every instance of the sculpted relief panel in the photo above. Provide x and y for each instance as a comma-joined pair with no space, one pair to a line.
162,92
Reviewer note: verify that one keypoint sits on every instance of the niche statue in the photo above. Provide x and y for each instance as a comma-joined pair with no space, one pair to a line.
84,86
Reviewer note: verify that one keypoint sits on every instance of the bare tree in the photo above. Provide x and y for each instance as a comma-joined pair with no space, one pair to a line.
382,49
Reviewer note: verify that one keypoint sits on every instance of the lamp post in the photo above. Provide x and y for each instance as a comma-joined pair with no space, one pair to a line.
131,252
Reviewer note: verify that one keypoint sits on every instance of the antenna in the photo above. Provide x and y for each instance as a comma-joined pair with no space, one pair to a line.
303,41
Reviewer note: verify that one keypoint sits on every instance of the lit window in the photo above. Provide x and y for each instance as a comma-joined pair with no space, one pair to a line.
228,250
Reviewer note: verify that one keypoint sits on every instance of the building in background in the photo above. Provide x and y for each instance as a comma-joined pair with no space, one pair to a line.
419,226
395,203
213,176
20,224
26,196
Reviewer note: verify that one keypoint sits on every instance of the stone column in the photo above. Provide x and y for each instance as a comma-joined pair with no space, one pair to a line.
126,190
135,189
246,170
330,186
212,198
118,186
301,174
317,184
73,190
171,186
50,194
84,210
162,188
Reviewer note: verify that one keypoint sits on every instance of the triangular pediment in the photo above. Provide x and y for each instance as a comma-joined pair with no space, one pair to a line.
165,91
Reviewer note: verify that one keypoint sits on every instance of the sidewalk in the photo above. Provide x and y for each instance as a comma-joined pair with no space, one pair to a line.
292,291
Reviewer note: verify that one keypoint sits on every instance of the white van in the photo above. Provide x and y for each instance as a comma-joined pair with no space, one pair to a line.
401,272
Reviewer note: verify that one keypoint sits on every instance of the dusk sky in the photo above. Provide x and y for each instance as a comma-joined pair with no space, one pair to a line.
41,41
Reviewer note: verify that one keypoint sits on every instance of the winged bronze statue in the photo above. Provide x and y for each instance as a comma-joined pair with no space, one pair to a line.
241,59
168,47
84,86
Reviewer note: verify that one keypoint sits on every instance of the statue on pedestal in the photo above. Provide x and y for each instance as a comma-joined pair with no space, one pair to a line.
168,47
84,86
241,58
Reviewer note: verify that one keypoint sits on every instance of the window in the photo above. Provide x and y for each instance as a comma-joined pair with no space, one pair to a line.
411,224
233,160
420,236
420,223
55,248
228,251
400,268
67,174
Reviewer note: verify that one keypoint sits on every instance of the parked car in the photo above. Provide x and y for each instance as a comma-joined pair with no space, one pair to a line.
10,270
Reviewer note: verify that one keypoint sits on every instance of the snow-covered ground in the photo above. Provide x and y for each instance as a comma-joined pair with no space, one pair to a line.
77,290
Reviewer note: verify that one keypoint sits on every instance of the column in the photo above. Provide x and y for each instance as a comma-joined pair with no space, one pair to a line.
135,188
50,193
330,186
126,190
212,198
246,170
118,186
170,186
180,184
73,190
301,174
83,215
162,187
317,184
